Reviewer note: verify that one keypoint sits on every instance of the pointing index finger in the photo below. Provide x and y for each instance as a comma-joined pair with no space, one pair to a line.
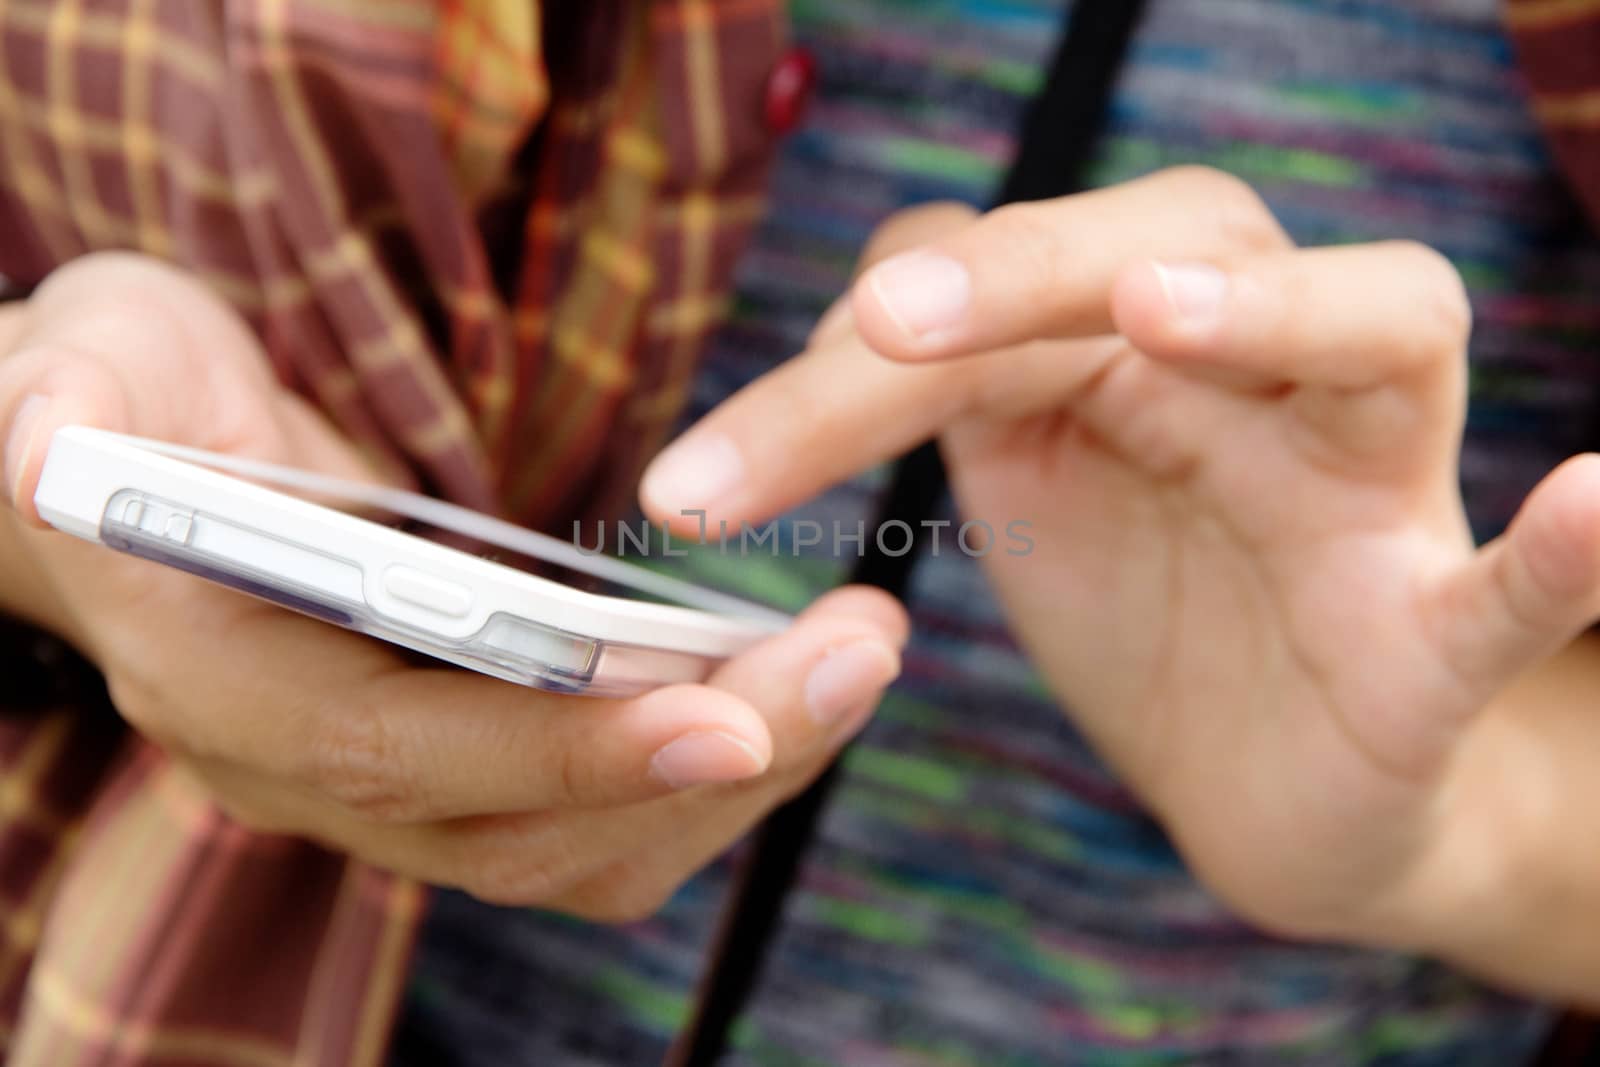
1046,269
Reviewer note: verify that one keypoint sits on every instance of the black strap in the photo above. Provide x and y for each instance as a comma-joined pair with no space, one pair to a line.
772,862
1066,119
1062,127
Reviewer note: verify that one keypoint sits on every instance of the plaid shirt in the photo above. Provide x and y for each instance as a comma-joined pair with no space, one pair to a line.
487,239
1558,44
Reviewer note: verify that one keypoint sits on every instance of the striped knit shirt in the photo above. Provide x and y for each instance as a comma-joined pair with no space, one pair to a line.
985,892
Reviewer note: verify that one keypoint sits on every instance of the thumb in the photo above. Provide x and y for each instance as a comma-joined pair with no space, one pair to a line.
42,389
122,343
1531,591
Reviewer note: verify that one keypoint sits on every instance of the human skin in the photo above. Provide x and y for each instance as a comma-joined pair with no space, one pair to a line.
599,808
1253,584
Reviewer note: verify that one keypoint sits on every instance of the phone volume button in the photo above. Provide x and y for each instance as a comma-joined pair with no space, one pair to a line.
423,590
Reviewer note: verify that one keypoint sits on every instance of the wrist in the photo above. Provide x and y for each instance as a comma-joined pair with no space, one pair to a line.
1511,877
1458,898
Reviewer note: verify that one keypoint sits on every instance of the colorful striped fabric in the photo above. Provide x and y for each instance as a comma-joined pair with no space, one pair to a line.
985,893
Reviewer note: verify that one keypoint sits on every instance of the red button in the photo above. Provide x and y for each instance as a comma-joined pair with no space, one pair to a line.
789,89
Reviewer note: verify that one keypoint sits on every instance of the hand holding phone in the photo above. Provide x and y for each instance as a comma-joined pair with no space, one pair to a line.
598,807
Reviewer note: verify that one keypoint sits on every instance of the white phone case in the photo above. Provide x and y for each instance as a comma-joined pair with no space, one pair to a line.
158,501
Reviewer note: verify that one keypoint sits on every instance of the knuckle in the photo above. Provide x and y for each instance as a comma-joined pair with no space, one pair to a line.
119,278
1030,242
576,776
1241,218
934,213
136,698
805,411
141,700
1546,567
913,226
1445,310
349,758
507,885
1198,178
252,816
1517,585
624,897
518,865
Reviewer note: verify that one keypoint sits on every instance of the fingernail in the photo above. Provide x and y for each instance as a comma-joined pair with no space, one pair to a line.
20,443
923,292
1195,291
707,758
848,677
694,472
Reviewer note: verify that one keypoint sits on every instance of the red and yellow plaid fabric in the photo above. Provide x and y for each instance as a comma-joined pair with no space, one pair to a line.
488,237
1558,44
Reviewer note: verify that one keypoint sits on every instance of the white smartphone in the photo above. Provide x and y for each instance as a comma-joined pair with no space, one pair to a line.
176,506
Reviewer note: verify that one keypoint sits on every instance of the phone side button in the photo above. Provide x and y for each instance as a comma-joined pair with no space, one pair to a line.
423,590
